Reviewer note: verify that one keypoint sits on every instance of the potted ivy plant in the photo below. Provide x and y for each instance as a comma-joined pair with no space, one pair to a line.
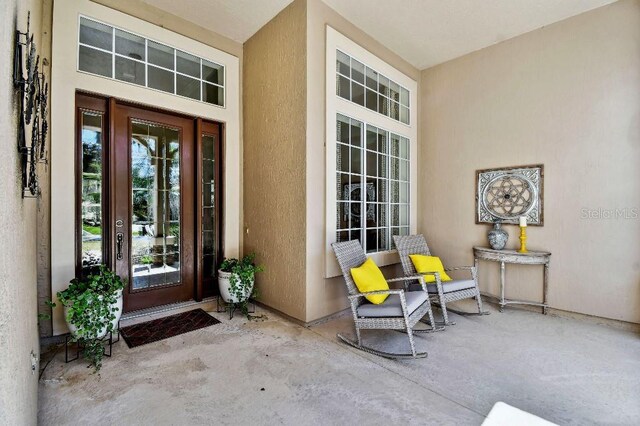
92,309
236,279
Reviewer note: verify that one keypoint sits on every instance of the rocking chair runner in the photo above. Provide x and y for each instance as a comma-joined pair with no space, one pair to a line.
400,311
440,292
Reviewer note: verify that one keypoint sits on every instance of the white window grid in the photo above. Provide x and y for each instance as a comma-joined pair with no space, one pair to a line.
146,63
394,104
391,213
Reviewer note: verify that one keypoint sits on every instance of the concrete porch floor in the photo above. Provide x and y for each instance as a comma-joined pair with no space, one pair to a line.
272,371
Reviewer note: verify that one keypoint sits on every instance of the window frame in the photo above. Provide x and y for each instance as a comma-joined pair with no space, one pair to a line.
336,105
98,106
147,64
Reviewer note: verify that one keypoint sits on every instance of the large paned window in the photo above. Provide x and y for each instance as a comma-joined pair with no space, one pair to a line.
111,52
372,184
366,87
371,152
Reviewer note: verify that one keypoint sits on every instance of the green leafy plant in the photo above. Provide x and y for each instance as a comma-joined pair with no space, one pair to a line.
95,230
90,308
242,278
45,316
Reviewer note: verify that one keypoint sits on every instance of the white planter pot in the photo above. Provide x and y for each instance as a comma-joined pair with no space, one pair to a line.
103,332
224,285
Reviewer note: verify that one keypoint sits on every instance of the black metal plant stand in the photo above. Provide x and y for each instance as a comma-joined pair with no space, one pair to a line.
222,306
109,343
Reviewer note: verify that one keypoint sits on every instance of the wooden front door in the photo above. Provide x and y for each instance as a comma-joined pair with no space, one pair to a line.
153,197
149,205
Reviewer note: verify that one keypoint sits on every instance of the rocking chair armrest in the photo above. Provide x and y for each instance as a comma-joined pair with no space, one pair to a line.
460,268
407,278
372,293
400,293
437,281
420,279
435,274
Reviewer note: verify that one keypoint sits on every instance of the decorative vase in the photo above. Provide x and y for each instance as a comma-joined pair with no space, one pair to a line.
497,237
103,332
224,284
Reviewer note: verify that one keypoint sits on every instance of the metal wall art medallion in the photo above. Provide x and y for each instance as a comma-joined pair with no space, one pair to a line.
33,93
507,194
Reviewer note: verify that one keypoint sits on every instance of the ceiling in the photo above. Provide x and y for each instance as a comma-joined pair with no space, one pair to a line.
429,32
235,19
423,32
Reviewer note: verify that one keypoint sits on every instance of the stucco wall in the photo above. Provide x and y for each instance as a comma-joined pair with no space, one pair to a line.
274,84
43,234
327,296
18,298
568,96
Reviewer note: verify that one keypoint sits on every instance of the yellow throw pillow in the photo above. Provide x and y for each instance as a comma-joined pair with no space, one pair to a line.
429,264
368,277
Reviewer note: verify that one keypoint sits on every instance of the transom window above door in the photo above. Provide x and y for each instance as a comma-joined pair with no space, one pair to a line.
121,55
367,87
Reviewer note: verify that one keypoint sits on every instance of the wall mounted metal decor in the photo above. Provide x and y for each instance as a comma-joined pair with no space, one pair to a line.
33,92
505,194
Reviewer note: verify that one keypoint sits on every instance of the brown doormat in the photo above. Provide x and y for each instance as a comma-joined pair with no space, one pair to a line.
163,328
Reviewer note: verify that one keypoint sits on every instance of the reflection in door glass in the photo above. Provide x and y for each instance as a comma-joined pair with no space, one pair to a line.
208,206
91,207
155,195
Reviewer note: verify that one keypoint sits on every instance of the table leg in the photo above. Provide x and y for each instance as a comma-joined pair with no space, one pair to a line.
545,286
501,286
475,264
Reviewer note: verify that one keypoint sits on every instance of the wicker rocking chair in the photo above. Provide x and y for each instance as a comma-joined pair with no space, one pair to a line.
400,311
439,292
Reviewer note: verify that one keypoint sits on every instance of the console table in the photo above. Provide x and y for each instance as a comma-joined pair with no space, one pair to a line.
513,256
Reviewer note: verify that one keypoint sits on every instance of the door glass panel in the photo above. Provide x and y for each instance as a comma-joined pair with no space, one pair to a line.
208,206
160,79
95,61
213,94
96,34
155,195
130,71
188,64
188,87
130,45
212,73
161,55
91,207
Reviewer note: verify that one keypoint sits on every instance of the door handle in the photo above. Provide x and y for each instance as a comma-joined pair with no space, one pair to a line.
119,239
